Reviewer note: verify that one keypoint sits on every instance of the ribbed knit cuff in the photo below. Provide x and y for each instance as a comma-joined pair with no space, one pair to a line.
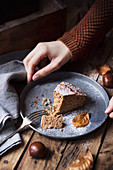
90,31
78,52
69,41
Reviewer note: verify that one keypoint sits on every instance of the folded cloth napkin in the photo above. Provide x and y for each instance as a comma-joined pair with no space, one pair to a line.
9,102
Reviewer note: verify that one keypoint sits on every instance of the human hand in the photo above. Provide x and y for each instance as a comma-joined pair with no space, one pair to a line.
109,109
56,52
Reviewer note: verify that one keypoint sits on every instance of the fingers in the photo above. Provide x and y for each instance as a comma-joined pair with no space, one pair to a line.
53,66
26,64
109,109
110,106
30,66
33,59
57,53
111,115
28,57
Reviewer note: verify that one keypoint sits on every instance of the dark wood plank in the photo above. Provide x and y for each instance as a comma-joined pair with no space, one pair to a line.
46,25
71,149
10,159
55,149
78,147
105,158
94,140
16,9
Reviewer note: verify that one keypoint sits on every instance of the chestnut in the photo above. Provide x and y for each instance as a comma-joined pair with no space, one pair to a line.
37,149
108,79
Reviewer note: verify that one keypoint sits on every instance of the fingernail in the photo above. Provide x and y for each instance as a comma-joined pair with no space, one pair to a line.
106,111
36,76
111,115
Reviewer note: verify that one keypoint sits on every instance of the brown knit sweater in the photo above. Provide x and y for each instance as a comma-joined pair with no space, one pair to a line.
90,31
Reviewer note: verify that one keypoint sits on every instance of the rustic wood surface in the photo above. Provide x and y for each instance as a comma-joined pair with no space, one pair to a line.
47,24
63,152
60,152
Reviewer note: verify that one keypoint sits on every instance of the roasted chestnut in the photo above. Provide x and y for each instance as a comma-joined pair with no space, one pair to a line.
108,79
37,150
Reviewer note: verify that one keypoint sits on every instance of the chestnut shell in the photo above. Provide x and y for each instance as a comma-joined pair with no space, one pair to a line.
37,149
108,79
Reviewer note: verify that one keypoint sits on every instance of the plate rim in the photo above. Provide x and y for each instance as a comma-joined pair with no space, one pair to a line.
33,83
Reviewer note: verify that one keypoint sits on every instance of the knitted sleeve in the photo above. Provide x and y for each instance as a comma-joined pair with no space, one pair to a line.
85,36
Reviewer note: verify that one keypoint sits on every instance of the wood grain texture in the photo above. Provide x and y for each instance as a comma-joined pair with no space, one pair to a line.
78,147
72,149
93,141
16,9
62,152
46,25
10,159
55,150
105,158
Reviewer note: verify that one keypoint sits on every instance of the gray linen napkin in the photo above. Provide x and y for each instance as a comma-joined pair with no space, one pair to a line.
9,102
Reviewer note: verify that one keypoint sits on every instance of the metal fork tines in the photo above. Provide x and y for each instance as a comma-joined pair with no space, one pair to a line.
30,118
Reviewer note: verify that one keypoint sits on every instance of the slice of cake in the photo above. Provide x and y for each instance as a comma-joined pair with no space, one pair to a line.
67,97
49,122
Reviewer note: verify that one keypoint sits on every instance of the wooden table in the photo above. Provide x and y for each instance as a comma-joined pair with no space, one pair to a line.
62,152
46,24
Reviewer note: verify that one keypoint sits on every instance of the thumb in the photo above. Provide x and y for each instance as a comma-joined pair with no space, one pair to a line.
45,71
110,106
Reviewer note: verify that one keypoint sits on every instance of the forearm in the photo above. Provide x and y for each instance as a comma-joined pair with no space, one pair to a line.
85,36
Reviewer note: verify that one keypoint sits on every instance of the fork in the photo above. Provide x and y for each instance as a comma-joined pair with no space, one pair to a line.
30,118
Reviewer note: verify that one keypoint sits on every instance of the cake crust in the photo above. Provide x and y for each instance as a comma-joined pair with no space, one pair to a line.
67,97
